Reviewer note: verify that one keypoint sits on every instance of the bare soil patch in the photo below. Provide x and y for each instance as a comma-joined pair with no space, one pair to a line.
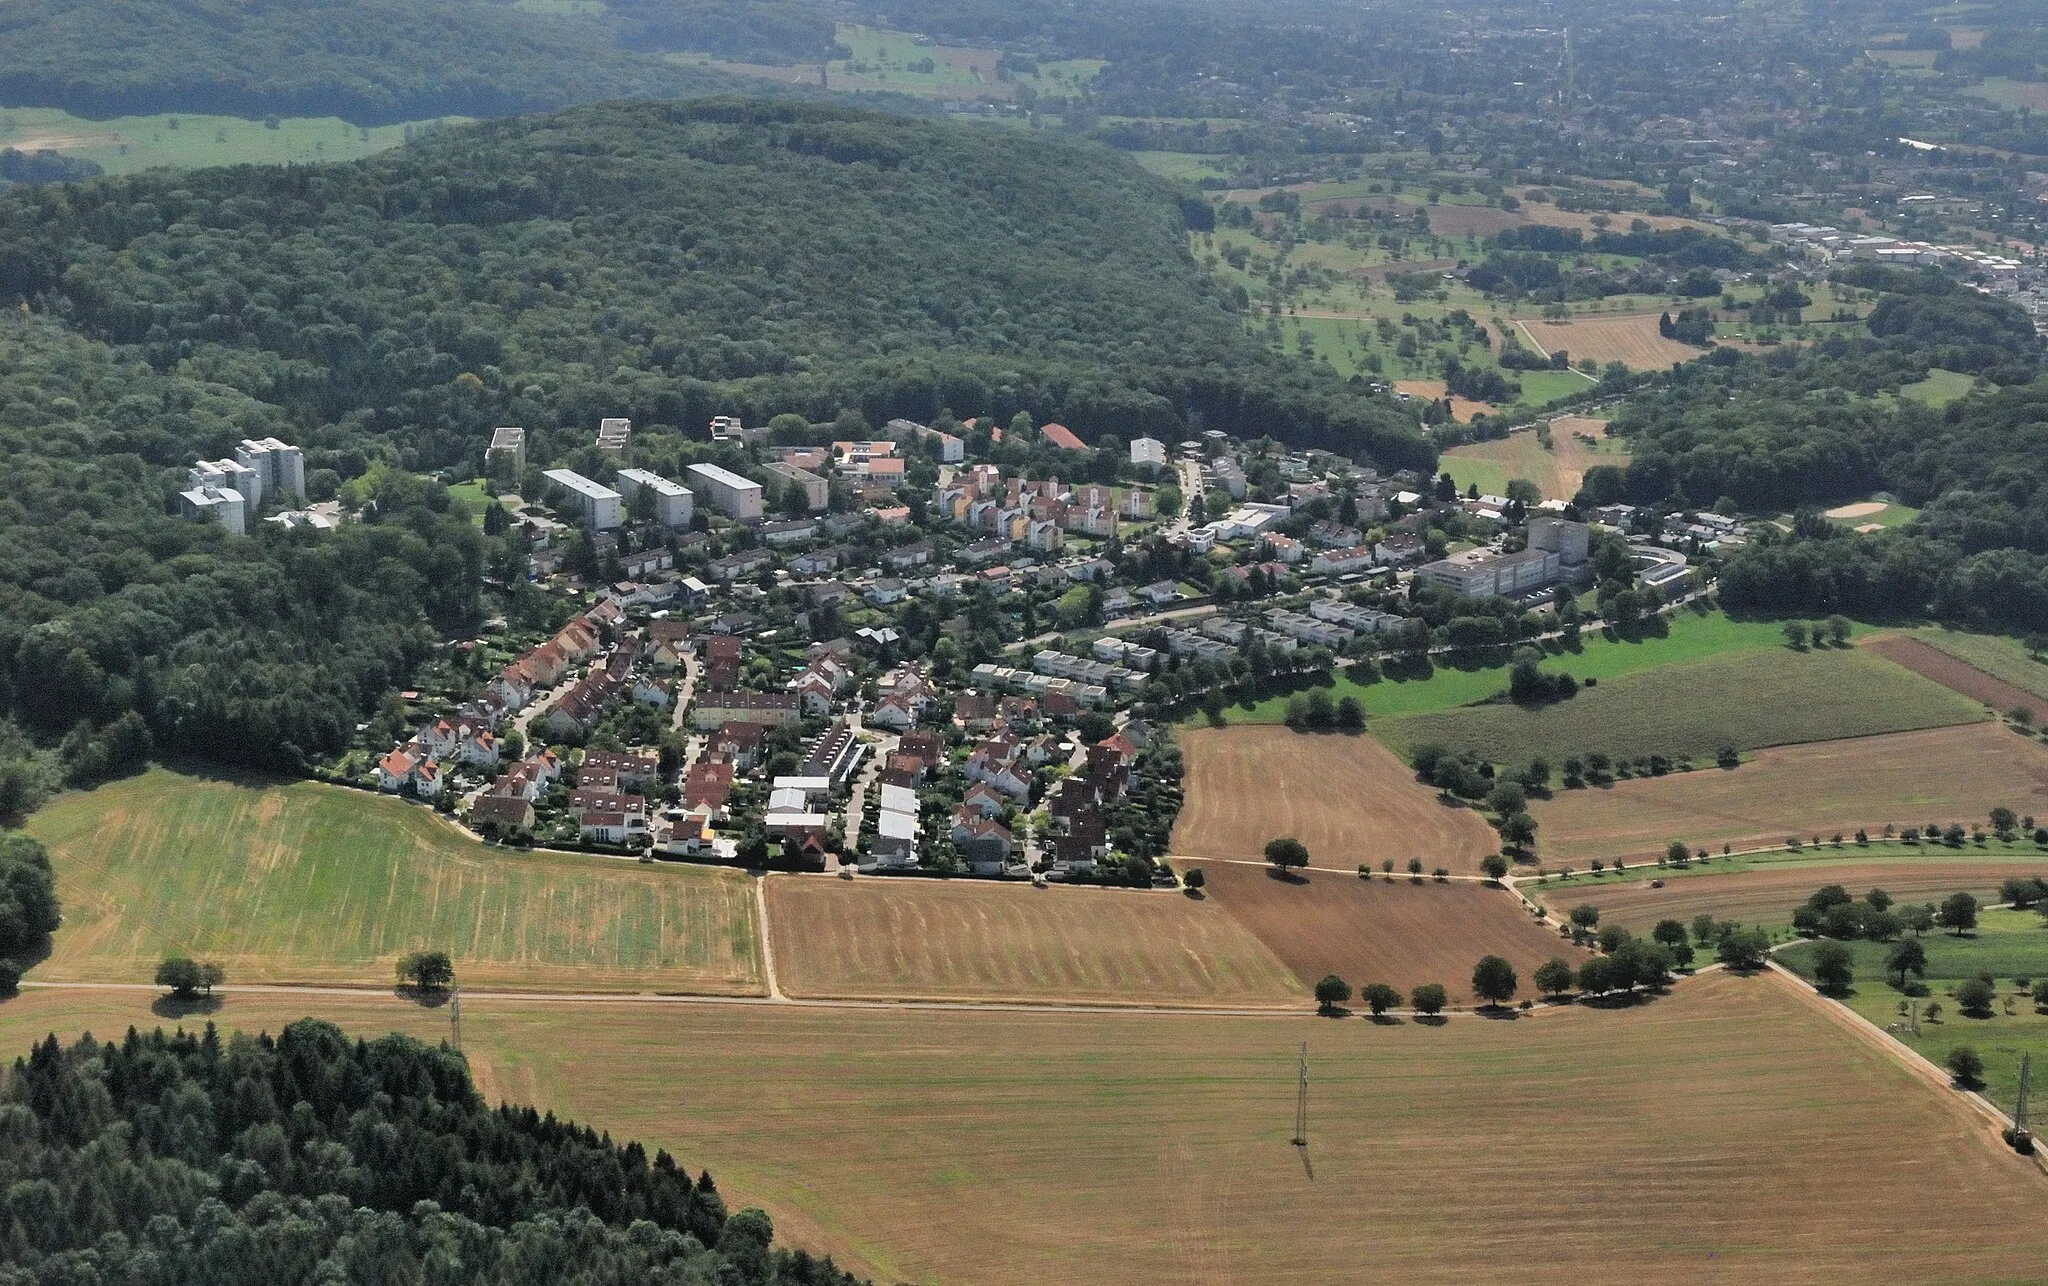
1349,799
1904,779
1462,408
1471,220
1767,895
914,939
1861,509
1631,340
1366,931
1933,663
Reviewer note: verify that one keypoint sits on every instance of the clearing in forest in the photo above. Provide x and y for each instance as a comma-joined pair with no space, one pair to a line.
305,882
1956,774
1689,710
912,938
1631,340
1346,797
1558,471
1396,930
915,1145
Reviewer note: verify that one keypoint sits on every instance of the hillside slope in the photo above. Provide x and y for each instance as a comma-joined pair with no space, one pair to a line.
675,261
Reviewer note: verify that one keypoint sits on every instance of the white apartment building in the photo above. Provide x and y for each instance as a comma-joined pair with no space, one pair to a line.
674,505
597,504
507,452
1148,451
737,498
280,468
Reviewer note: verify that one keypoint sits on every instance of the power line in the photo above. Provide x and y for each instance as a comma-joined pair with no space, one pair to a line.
1301,1102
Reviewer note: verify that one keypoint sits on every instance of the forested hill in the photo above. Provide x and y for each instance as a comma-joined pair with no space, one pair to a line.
674,261
178,1159
370,62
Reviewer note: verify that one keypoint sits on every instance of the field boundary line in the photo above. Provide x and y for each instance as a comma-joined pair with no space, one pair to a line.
767,946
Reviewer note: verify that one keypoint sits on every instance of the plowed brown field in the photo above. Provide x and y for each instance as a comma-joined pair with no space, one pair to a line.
1350,799
1950,672
1906,778
1368,931
1767,895
914,939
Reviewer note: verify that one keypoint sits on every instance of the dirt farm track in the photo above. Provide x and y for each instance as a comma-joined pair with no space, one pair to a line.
1350,799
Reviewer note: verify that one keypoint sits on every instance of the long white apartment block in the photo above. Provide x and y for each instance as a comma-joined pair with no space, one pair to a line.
737,498
674,503
596,503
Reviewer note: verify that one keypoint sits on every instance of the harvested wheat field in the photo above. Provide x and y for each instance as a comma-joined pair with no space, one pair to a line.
1471,220
1364,931
910,939
1631,340
1349,799
1952,673
1065,1147
1766,895
1954,774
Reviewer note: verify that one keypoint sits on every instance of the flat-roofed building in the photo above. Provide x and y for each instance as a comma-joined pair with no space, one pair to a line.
215,504
280,467
1148,451
674,505
597,504
817,492
506,456
613,434
736,497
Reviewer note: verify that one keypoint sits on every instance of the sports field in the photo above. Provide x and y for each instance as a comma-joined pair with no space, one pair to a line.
306,882
1996,655
923,939
1956,774
1631,340
1557,472
1451,682
1682,710
1400,932
928,1146
1765,895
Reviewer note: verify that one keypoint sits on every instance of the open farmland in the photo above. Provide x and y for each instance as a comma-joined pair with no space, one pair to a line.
918,939
1996,655
1364,931
306,882
1952,672
1679,710
1631,340
1766,894
1347,798
1905,779
1557,472
1153,1149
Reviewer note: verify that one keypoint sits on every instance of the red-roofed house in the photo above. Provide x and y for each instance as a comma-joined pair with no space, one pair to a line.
1062,437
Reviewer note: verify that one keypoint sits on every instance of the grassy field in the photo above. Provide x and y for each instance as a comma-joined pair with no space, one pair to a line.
1008,1148
915,938
127,144
1955,774
1399,932
1787,697
1558,472
1939,388
2007,945
1346,797
1996,655
1764,892
474,494
1691,636
305,882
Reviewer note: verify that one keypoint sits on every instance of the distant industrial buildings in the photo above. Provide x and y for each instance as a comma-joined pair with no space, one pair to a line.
596,504
674,504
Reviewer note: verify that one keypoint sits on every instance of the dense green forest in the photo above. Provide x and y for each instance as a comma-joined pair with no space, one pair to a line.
370,62
1804,429
181,1158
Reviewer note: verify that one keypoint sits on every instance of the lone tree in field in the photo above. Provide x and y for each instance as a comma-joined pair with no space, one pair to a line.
1286,852
1494,865
1975,997
1959,913
1379,998
1795,635
1494,981
181,975
1967,1067
427,970
1833,968
1553,977
1429,999
1194,880
1906,957
1331,992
